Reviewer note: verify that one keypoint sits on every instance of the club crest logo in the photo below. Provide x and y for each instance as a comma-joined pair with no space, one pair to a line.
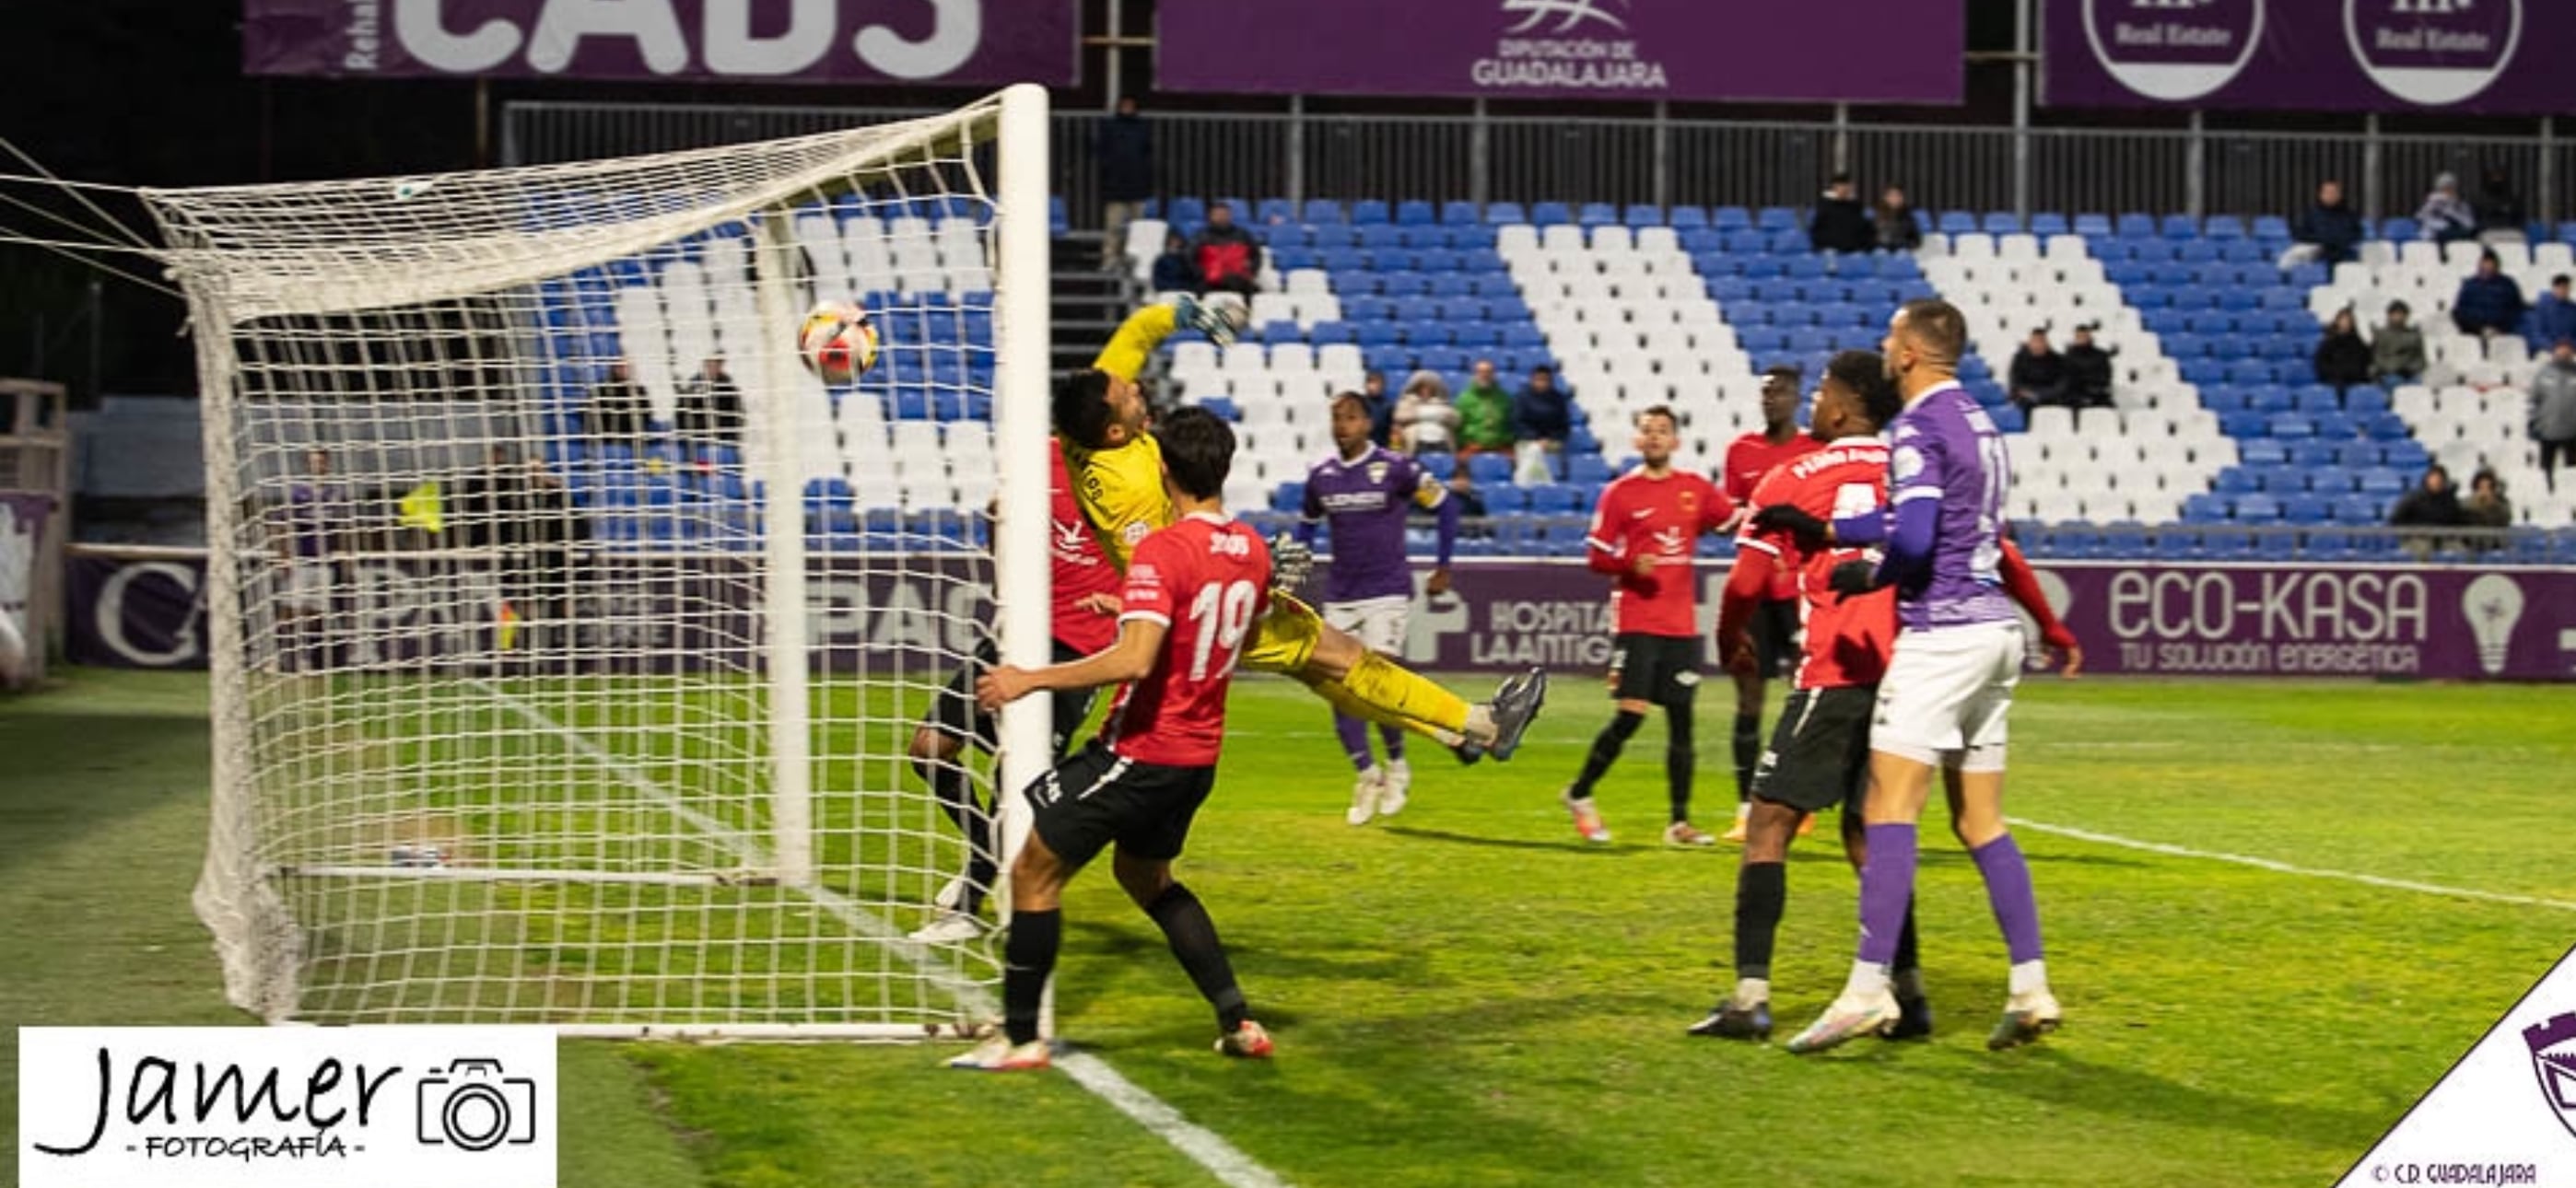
2553,1060
1376,473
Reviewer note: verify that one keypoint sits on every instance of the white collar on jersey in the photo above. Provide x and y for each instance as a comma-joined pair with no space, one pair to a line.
1210,517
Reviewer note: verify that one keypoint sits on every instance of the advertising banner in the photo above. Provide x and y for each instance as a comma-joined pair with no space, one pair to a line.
937,42
673,613
1859,51
2501,57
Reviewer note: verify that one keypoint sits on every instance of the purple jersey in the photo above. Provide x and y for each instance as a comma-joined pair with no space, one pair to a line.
1947,448
307,524
1365,500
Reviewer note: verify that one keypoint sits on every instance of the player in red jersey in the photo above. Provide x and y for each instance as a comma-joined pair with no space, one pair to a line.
1082,621
1775,618
1819,756
1193,594
1644,533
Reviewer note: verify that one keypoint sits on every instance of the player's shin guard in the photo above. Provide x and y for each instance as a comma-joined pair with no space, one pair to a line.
1748,752
1028,961
1185,923
1761,893
2008,891
1355,743
1416,702
1886,891
1605,751
1681,759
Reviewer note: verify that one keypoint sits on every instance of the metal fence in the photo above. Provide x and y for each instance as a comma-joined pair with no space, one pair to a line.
1658,161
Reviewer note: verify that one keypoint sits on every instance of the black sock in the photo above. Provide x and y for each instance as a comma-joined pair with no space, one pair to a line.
1605,750
1906,957
1680,758
1748,751
1761,891
956,795
1028,959
1185,923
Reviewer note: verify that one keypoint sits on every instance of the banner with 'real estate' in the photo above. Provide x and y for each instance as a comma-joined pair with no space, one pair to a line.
1860,51
2500,57
978,43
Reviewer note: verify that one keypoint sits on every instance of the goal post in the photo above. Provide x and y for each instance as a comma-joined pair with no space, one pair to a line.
569,636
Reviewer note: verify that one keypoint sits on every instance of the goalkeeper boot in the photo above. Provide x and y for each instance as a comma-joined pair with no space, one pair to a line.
1587,818
2026,1018
1365,794
1516,704
1246,1042
999,1054
1729,1020
1849,1018
1399,778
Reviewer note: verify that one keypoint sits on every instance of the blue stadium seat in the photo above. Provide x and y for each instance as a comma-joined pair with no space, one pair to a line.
2204,508
2001,222
2237,480
1414,212
1458,213
2257,509
1370,212
1957,222
1776,218
2244,424
1597,214
2400,230
1730,218
2358,509
2383,481
2048,223
2178,227
1504,214
1690,218
1550,214
2093,226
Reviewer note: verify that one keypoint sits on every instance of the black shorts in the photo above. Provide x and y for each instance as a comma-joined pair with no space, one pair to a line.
1096,797
1819,756
1662,669
954,714
1775,636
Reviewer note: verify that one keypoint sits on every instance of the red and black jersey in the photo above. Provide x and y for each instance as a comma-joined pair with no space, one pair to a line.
1748,459
1208,580
1848,639
1081,568
1664,516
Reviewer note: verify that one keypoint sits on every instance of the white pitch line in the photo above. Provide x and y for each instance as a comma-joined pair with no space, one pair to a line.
2285,868
1203,1146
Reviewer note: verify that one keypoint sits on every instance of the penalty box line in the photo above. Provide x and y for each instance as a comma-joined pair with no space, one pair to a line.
1202,1146
2367,880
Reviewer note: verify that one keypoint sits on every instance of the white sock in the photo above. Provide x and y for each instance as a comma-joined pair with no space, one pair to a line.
1743,811
1398,768
1480,724
1868,980
1752,992
2029,977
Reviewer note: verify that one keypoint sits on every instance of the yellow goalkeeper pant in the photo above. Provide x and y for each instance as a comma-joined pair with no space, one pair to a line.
1376,689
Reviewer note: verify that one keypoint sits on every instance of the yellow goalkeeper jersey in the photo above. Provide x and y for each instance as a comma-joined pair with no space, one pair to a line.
1121,488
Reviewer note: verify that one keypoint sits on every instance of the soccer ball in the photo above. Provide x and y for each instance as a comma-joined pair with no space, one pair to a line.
837,342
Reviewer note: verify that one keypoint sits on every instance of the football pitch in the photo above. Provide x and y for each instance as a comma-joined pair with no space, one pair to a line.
2275,912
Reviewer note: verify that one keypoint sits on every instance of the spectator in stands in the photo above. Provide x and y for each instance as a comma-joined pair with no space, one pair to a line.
2445,216
2329,232
2433,505
1543,417
2487,508
2553,410
1484,413
2397,350
1381,408
711,407
1841,223
2088,371
1126,151
2343,357
2038,374
1425,421
1229,258
1173,270
618,414
2500,210
1893,218
2553,317
2489,303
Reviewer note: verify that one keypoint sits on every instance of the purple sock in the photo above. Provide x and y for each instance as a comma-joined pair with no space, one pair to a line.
1886,886
1393,737
1354,735
2007,877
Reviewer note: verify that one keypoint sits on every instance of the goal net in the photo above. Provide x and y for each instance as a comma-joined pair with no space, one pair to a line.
568,634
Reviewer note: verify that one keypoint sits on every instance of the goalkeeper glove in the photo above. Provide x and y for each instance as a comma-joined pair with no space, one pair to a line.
1218,315
1786,517
1852,579
1291,562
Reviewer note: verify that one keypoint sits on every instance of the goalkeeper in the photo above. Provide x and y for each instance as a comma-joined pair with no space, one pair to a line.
1101,422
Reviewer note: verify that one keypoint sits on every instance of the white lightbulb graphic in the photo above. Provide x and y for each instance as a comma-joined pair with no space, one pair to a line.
2492,604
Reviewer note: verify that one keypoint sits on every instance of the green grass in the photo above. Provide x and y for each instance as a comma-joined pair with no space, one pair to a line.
1463,995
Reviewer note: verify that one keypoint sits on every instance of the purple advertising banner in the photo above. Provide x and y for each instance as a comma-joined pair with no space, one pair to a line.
683,612
1860,51
934,42
2500,57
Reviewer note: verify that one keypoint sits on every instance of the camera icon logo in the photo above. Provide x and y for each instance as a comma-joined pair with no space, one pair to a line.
473,1107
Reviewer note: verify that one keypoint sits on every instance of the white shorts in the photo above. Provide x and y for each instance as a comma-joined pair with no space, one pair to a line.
308,586
1378,623
1946,694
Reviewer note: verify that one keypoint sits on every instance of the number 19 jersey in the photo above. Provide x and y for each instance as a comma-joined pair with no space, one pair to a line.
1207,579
